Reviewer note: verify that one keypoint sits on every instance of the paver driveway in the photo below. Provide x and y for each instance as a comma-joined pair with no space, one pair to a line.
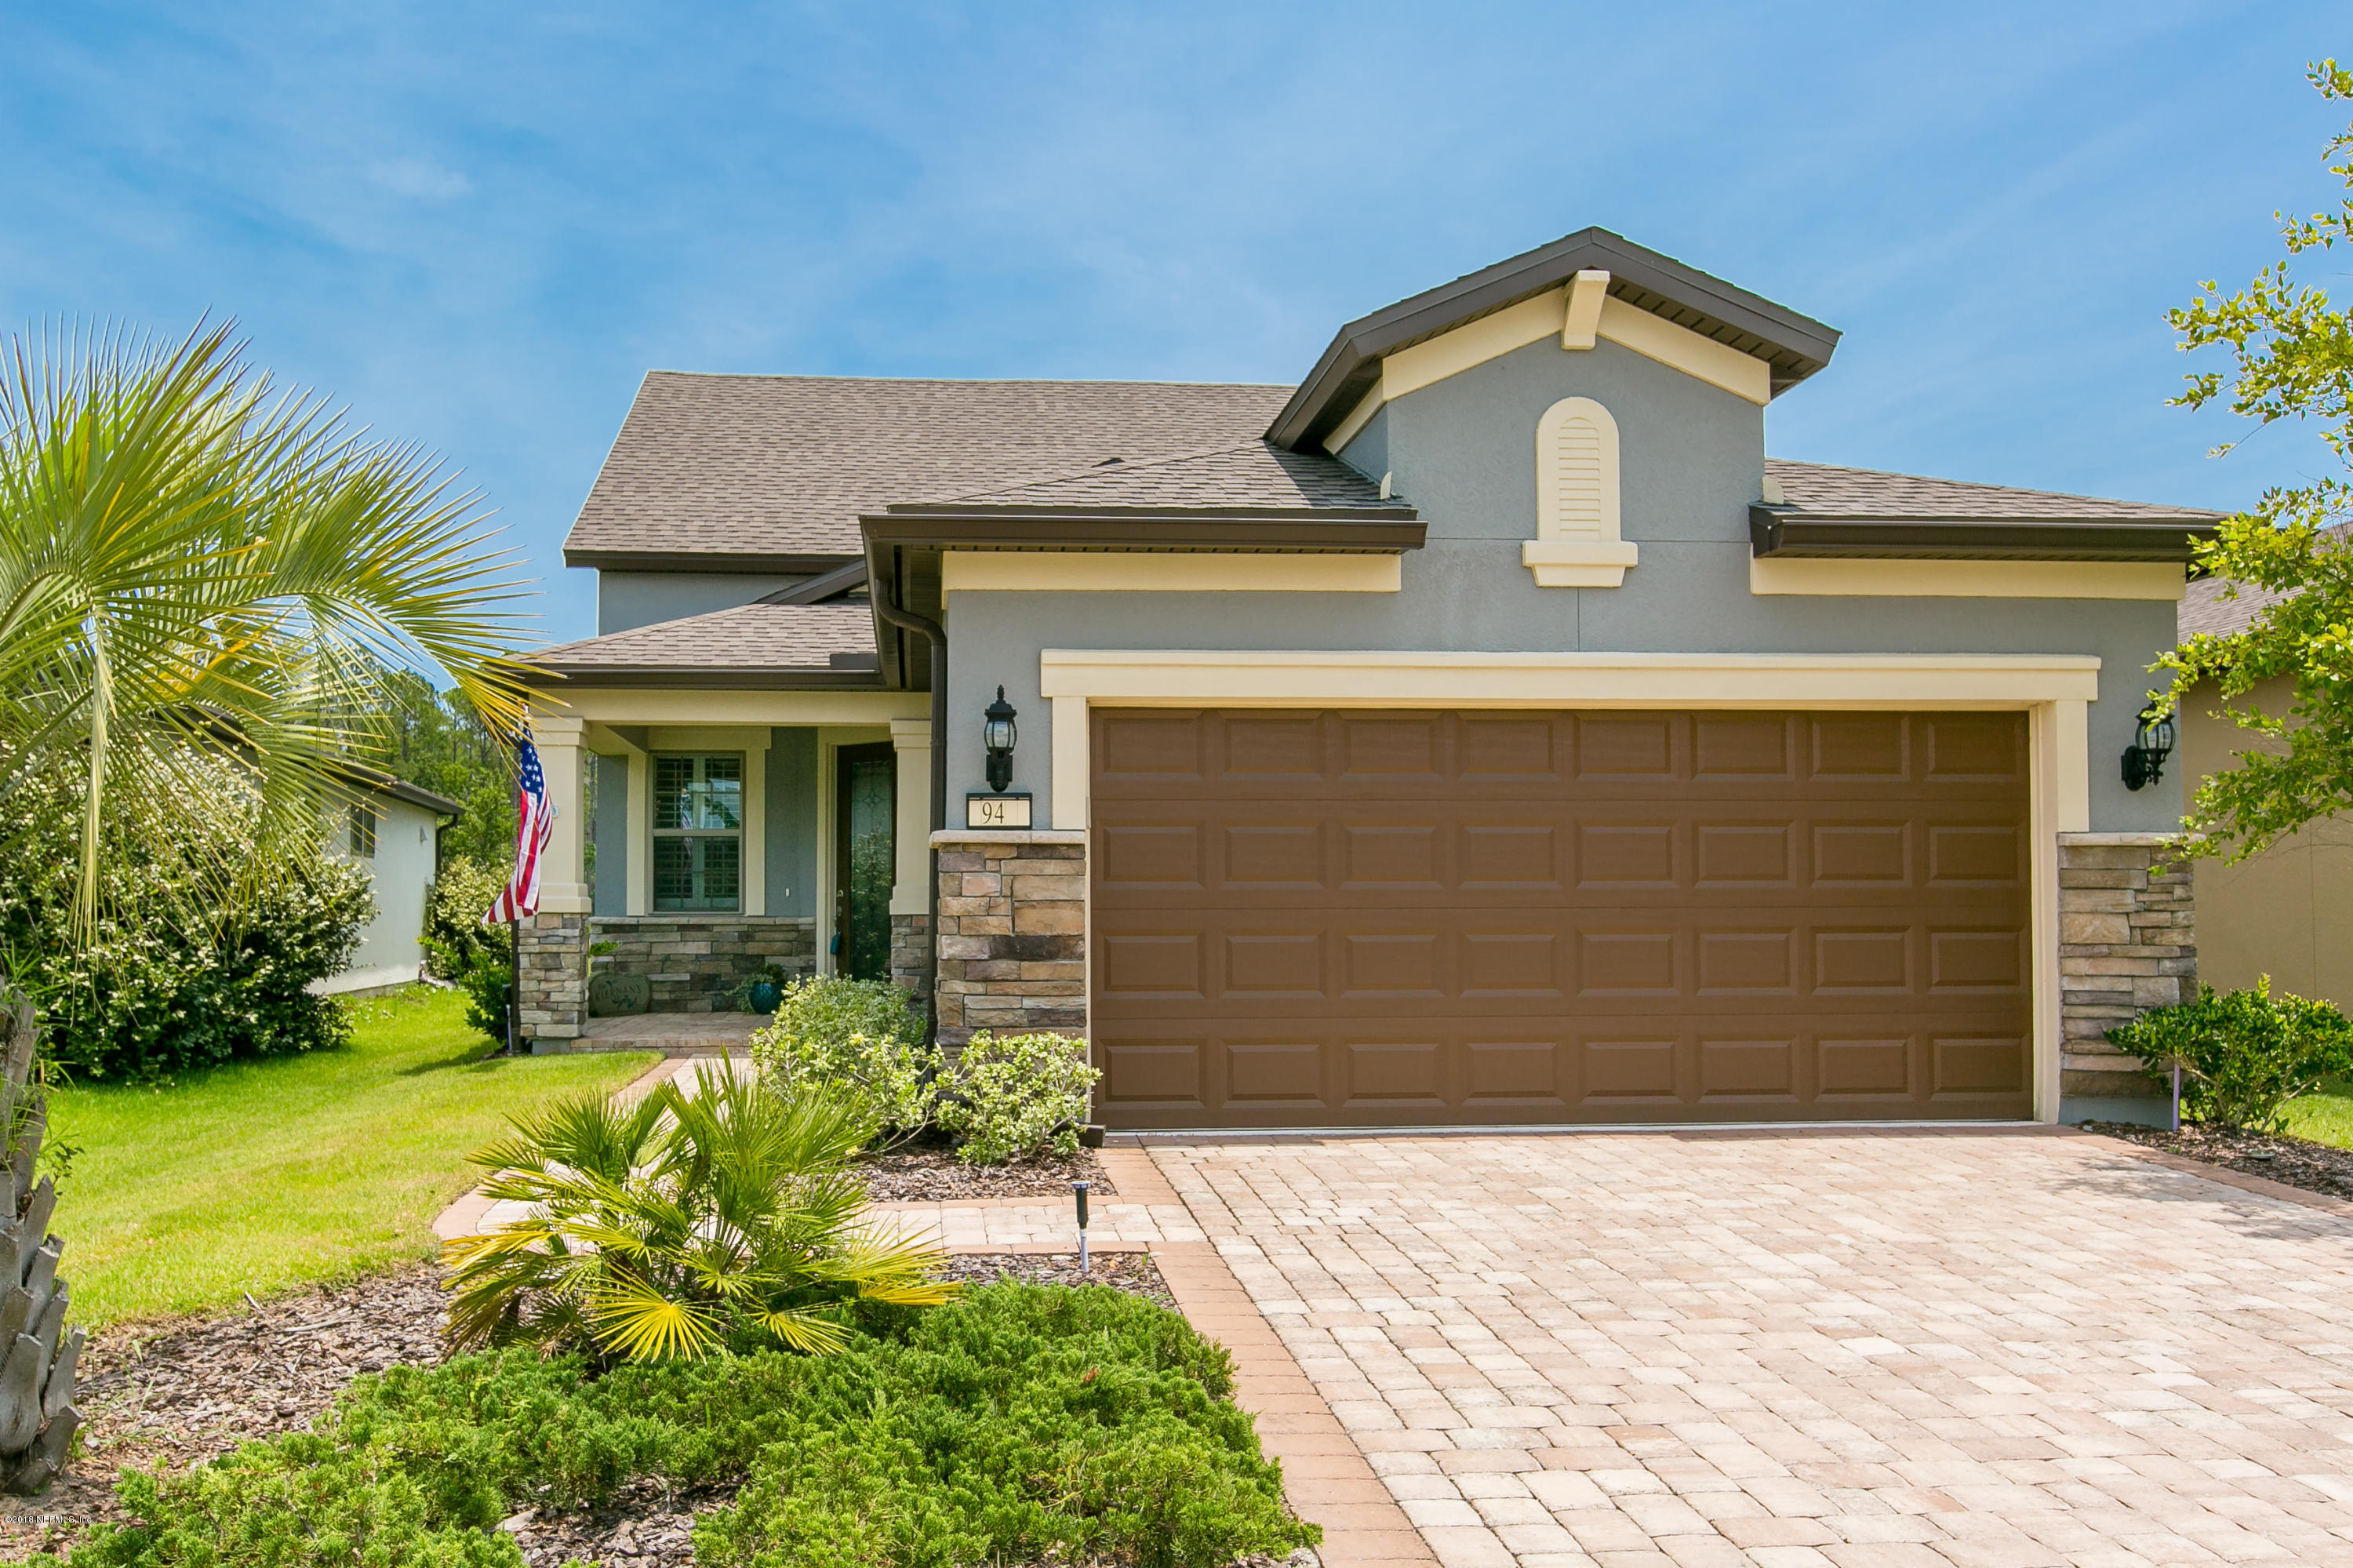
1797,1348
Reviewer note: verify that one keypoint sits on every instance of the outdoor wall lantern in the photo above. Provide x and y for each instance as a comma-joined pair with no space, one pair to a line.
2152,744
998,732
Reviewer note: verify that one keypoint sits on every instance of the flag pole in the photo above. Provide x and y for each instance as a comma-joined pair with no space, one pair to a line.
514,977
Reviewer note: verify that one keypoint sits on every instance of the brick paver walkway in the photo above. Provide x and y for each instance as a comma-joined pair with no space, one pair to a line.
1805,1349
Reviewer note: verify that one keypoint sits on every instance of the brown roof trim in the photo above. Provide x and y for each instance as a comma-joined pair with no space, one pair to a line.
702,561
1242,528
1793,345
382,783
1772,533
685,678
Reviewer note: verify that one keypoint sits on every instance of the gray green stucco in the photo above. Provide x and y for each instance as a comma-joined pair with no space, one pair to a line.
1692,461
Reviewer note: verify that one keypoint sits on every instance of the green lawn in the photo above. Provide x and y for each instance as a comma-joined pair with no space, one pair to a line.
2324,1118
269,1175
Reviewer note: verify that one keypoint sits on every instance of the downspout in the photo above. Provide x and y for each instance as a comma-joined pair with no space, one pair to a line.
882,589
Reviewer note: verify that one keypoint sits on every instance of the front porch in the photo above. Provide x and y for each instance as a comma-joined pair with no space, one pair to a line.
702,836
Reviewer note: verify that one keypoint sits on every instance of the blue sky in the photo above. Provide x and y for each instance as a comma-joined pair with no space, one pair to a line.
479,226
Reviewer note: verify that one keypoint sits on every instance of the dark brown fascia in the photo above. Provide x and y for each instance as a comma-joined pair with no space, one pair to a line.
1366,529
1798,345
360,776
1776,533
703,561
742,678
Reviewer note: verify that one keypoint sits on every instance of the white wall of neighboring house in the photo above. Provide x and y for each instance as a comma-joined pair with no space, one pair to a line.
391,945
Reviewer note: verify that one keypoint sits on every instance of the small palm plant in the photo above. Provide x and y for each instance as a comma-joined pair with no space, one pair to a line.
680,1224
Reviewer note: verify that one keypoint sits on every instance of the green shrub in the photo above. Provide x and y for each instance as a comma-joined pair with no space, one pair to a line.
2243,1055
1024,1424
680,1224
180,975
859,1039
454,906
1016,1093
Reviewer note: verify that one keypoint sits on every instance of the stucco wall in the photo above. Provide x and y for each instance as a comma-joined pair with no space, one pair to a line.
1692,461
401,872
625,599
2288,912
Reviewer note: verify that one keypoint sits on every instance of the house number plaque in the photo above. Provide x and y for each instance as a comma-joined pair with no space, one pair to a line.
997,810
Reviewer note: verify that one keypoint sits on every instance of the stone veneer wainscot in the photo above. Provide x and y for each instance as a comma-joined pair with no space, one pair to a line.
2127,942
1013,932
692,963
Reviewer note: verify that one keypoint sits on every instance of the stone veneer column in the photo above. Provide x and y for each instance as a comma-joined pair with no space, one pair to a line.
911,957
1013,932
2127,942
554,963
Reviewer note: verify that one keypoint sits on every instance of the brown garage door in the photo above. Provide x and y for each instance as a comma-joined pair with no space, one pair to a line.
1361,919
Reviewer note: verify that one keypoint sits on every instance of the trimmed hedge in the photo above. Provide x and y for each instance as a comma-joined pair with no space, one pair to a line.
1024,1423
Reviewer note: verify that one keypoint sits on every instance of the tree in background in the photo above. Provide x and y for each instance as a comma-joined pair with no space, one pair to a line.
435,740
2291,356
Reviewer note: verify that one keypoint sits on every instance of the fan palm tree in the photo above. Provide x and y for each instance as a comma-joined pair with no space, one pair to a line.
196,565
669,1227
196,570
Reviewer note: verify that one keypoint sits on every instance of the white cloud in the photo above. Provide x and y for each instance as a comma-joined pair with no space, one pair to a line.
420,177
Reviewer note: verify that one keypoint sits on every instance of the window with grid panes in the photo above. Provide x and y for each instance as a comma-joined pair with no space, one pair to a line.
698,839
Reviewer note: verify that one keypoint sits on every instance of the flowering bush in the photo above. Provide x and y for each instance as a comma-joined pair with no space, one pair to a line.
863,1038
178,973
1018,1094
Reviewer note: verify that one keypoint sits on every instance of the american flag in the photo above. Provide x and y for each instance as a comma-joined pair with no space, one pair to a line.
534,820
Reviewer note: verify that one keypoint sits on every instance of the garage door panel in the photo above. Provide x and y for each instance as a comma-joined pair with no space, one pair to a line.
1354,918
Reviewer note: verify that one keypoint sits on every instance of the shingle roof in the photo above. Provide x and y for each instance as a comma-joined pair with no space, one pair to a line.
749,638
1249,474
2209,606
1814,489
783,465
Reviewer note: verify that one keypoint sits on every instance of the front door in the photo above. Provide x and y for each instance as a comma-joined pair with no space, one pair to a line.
866,808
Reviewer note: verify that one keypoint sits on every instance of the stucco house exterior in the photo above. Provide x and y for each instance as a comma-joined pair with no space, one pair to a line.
2288,912
394,829
1484,730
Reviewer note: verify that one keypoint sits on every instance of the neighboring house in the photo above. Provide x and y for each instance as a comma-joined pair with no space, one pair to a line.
2288,912
1482,731
393,828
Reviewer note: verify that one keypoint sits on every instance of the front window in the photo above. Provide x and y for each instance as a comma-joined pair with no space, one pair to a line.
698,832
363,829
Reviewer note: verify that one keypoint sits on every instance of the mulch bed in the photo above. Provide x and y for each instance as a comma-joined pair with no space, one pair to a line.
2296,1161
180,1391
928,1172
1133,1272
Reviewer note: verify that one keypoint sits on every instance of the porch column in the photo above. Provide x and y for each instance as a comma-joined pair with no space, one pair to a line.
911,881
552,1002
564,869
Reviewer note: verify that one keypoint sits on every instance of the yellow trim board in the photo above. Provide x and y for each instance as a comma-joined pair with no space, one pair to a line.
1186,677
685,705
1550,315
1968,580
1679,348
1015,571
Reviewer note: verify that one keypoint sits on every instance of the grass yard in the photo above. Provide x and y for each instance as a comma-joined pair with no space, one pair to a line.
2325,1117
269,1175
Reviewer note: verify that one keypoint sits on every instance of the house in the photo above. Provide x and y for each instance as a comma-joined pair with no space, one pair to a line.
1484,730
393,828
2285,912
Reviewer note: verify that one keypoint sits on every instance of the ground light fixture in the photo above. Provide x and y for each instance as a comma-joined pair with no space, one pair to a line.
1079,1191
2152,744
998,734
